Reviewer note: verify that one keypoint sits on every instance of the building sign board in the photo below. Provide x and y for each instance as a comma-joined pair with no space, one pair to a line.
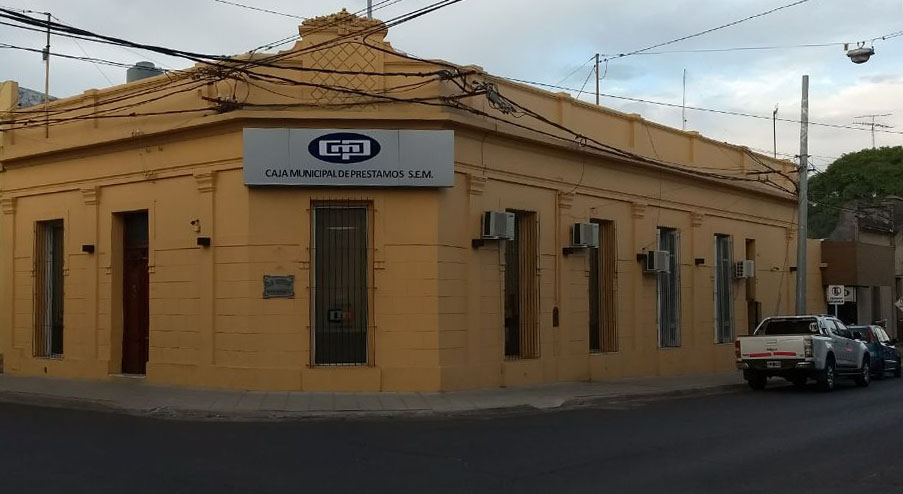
278,286
349,157
835,294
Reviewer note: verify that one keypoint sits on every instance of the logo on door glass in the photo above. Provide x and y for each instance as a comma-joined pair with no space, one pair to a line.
344,148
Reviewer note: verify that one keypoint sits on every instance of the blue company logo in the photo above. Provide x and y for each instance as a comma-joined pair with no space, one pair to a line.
344,148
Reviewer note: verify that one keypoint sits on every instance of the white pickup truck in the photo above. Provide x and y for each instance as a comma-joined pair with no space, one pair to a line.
799,348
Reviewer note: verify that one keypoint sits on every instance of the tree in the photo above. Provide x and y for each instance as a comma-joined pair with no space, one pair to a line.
868,176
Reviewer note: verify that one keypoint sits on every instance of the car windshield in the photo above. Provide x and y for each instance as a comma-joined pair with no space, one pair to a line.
881,335
786,326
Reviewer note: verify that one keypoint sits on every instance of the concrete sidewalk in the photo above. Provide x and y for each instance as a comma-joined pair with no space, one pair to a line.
141,399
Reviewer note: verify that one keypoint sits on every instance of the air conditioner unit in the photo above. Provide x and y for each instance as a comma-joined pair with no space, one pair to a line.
745,269
657,261
585,235
498,225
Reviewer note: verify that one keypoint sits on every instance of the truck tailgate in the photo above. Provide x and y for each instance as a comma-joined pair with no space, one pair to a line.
771,347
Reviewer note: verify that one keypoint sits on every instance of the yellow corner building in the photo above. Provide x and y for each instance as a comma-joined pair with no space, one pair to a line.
343,216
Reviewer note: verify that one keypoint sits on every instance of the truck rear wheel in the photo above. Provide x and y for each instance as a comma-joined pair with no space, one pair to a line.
827,377
756,381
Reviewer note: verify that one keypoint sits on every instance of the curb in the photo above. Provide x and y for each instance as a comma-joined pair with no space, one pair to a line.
609,401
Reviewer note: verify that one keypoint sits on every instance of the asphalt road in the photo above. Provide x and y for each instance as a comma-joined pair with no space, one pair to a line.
779,440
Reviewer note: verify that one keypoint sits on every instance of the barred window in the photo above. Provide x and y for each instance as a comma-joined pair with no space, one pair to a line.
724,302
521,293
48,286
603,329
669,290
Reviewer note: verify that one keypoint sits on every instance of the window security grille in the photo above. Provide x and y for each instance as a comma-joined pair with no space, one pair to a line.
521,293
669,290
724,307
603,330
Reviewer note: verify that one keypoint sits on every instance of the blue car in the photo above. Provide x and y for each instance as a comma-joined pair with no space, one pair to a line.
884,356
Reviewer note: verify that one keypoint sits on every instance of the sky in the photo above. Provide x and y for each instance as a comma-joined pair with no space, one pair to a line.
551,42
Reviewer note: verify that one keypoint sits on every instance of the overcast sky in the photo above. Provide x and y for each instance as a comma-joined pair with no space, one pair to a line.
545,41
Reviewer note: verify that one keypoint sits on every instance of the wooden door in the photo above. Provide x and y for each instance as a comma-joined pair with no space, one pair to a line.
135,299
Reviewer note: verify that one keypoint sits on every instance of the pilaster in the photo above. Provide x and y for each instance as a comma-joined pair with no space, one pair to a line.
7,280
206,182
91,196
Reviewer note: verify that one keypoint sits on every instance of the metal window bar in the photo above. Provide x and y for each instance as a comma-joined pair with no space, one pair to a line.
595,300
724,311
608,309
669,290
340,285
521,293
48,289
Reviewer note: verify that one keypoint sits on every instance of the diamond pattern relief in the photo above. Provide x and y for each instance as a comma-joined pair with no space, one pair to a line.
349,56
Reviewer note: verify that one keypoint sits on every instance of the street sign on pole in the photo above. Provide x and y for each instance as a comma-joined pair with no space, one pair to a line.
835,296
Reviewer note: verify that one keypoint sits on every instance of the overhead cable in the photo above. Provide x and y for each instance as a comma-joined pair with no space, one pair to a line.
707,31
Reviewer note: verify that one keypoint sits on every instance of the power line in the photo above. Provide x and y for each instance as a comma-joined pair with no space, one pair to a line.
279,42
707,31
576,70
760,48
235,4
445,101
93,60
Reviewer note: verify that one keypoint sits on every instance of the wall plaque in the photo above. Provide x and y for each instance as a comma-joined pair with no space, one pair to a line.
278,286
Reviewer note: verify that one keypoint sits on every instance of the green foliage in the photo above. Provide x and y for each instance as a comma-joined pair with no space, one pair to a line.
869,175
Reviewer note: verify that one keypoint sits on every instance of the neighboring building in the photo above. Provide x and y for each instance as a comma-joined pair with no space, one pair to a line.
28,97
861,254
227,235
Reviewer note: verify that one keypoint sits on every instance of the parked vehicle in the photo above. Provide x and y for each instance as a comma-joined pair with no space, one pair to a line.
883,353
799,348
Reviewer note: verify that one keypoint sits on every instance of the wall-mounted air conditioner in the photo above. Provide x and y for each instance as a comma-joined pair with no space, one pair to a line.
585,235
745,269
656,261
498,225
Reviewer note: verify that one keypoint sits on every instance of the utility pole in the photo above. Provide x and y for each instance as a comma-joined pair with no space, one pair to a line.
597,79
369,9
683,104
774,128
803,202
874,124
47,80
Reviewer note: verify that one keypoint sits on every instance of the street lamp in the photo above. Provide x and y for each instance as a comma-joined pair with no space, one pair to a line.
861,54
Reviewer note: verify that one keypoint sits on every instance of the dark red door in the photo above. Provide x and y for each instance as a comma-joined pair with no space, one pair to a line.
135,310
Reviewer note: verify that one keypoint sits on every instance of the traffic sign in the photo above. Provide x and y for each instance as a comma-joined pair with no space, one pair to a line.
835,294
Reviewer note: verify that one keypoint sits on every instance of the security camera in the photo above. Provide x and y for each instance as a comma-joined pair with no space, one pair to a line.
861,54
197,225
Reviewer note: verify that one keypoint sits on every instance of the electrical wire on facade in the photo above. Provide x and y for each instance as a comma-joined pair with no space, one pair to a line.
698,108
453,102
77,33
